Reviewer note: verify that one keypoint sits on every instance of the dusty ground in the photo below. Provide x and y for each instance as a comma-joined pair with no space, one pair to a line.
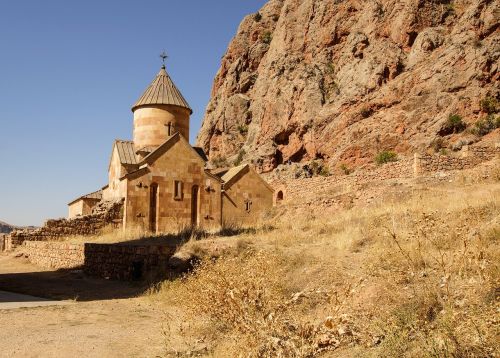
107,320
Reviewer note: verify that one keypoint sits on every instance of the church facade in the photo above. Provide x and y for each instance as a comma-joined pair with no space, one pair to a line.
165,183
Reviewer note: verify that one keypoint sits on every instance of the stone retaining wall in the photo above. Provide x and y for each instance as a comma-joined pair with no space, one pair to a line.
468,158
304,187
126,262
54,230
420,164
111,261
56,255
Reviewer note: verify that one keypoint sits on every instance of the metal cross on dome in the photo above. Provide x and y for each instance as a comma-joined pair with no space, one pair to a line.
163,56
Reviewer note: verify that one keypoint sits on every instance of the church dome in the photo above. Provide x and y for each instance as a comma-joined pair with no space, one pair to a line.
162,91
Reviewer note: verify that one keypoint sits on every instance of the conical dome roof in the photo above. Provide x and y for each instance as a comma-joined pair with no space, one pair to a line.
162,91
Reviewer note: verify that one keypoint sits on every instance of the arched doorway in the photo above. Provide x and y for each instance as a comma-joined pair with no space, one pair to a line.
153,204
279,196
195,192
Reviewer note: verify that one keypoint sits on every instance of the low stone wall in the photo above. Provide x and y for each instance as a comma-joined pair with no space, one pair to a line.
54,230
56,255
111,261
294,189
126,262
468,158
421,164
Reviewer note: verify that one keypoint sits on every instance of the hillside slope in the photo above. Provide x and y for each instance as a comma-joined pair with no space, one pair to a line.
412,273
343,80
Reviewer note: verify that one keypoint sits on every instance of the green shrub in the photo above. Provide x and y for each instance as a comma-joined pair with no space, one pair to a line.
324,171
330,67
220,162
386,157
486,125
454,124
318,168
243,129
257,17
345,169
239,159
267,37
489,105
276,17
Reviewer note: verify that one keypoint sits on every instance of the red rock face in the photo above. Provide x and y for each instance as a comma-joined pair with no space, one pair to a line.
343,80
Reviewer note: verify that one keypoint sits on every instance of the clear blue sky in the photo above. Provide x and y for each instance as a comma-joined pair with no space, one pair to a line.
71,70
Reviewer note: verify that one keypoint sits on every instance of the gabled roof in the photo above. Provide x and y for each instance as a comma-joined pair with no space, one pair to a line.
201,153
162,91
126,152
96,195
158,152
233,172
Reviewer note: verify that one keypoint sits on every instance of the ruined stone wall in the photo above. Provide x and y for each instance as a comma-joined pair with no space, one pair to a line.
302,188
105,215
468,158
421,164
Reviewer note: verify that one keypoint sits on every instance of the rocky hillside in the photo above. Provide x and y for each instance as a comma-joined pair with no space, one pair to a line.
344,80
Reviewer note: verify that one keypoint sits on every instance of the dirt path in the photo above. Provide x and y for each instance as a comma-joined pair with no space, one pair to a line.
106,320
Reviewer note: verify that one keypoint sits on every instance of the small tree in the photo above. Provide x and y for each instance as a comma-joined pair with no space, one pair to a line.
257,17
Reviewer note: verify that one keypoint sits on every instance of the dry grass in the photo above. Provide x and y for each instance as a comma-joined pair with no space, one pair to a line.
413,278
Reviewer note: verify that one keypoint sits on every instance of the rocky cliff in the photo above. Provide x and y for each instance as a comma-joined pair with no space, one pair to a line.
343,80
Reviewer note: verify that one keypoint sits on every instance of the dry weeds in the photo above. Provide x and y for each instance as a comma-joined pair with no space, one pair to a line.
412,278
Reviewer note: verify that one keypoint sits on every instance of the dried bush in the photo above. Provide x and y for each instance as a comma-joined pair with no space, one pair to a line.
243,298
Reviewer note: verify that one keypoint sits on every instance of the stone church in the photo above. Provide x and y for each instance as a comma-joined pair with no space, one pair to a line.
167,184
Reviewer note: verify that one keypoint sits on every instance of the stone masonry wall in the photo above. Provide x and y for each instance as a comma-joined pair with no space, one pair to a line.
304,187
126,262
421,164
56,255
113,261
105,215
469,158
